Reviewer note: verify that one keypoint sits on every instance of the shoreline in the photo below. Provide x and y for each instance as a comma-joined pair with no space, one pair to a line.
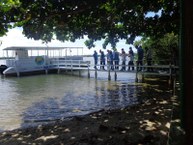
146,123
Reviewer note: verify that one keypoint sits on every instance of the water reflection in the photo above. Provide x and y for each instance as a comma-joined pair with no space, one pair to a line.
38,99
105,95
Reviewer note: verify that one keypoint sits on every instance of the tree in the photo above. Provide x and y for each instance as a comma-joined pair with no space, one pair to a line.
165,49
5,7
186,67
111,20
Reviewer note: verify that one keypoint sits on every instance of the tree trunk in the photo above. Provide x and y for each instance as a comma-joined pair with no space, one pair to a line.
186,68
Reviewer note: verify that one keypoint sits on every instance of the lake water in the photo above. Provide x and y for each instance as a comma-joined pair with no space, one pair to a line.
33,100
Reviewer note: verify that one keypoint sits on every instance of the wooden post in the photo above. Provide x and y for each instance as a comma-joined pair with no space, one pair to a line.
71,68
136,76
109,74
115,75
16,68
174,86
18,74
58,66
46,71
58,70
88,72
170,74
143,77
95,73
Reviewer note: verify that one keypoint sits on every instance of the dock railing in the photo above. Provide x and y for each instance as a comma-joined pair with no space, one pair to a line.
156,70
169,70
69,64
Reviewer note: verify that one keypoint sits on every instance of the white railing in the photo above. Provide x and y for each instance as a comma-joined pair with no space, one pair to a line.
69,63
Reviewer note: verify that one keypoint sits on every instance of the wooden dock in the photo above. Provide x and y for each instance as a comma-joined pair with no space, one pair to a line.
169,71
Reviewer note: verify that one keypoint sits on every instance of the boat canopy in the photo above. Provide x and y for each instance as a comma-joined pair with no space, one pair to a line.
39,48
23,51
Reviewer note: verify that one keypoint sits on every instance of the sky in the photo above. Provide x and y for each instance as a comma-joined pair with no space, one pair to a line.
15,38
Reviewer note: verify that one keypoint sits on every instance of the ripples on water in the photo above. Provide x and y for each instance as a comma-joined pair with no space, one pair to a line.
39,99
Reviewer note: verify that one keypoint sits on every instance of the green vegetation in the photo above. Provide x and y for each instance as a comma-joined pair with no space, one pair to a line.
165,49
109,20
6,17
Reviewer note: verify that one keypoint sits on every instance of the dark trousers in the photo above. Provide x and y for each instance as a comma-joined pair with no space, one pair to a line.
102,63
123,66
95,63
116,63
131,65
139,65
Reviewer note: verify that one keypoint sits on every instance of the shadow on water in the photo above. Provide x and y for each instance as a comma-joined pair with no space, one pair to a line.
105,97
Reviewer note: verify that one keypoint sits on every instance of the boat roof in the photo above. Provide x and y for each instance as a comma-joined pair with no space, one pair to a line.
39,48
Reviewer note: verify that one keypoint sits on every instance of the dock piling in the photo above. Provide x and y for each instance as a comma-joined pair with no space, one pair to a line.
58,71
136,76
109,74
115,75
46,71
88,71
95,73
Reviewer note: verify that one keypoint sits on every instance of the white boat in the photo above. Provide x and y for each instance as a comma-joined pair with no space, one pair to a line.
29,60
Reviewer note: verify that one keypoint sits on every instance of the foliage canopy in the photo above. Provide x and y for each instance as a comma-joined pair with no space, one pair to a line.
165,49
111,20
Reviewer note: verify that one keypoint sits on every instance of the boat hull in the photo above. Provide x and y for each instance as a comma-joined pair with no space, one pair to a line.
12,72
2,68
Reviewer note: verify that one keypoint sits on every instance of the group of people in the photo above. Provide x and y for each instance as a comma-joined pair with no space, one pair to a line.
112,58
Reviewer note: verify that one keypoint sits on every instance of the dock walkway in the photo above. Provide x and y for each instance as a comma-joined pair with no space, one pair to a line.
76,65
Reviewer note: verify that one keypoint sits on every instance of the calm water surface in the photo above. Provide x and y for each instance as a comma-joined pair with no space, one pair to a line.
32,100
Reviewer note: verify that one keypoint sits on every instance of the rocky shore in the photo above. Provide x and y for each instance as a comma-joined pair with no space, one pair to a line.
147,123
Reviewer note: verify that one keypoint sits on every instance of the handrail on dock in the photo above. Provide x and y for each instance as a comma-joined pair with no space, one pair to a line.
69,63
159,70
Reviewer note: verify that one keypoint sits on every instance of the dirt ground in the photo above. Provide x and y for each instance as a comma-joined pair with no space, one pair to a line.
154,121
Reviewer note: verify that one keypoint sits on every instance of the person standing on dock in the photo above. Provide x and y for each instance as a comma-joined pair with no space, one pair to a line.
131,58
123,58
140,54
102,60
95,56
116,59
110,59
